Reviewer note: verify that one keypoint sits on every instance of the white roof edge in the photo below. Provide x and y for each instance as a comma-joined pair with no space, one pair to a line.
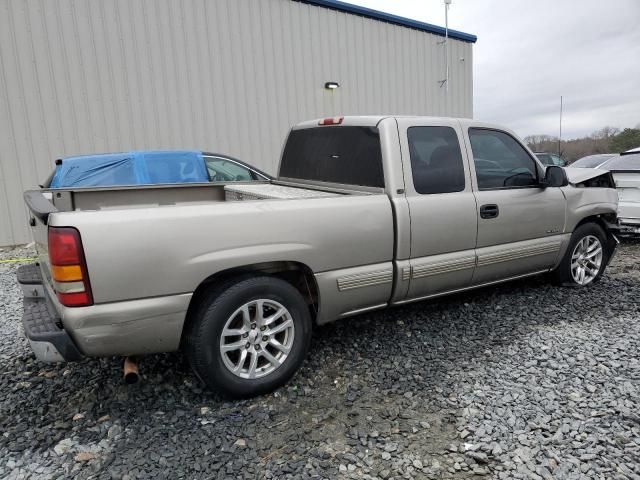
373,120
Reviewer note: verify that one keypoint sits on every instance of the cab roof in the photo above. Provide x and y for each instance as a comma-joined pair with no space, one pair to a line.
374,120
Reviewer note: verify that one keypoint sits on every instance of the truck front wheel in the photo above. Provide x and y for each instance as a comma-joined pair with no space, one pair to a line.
585,259
249,337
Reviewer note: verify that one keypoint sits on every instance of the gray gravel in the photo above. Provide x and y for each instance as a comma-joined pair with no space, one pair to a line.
523,380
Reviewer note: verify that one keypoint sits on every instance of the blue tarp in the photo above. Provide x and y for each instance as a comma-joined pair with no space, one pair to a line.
130,168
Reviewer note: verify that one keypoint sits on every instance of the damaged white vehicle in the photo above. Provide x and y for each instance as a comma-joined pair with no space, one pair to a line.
625,172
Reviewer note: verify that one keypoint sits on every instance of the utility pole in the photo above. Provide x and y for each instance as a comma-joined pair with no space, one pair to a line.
445,82
446,41
560,136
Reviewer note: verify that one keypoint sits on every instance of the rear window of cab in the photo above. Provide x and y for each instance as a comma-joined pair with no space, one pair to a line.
348,155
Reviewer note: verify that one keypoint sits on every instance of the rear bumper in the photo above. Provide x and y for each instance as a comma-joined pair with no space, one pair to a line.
43,328
134,327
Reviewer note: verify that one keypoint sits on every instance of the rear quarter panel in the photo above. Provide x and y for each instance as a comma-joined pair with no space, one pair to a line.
149,252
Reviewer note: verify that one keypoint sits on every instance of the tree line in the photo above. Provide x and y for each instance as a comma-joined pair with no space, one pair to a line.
605,140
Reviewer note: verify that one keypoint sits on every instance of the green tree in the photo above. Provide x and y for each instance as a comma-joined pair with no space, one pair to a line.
625,140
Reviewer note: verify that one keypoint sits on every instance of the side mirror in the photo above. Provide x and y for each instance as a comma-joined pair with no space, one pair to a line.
555,176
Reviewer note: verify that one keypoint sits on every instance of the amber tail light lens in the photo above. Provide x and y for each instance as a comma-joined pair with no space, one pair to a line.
69,267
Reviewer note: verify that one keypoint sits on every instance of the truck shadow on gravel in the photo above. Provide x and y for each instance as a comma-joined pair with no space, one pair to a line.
377,396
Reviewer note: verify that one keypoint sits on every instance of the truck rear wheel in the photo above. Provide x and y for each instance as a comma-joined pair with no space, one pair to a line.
585,259
249,337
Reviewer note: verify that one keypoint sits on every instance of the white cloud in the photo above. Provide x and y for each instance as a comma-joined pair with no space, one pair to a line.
530,52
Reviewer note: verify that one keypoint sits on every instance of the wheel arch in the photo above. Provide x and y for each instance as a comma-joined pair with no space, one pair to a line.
602,219
297,274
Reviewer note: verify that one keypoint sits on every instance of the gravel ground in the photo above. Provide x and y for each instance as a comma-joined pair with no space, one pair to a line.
522,380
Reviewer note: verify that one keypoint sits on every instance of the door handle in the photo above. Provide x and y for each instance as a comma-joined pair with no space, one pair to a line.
489,211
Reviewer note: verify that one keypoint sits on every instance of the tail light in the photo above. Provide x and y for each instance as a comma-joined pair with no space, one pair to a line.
69,267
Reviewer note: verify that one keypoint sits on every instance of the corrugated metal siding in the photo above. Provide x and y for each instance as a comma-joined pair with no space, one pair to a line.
231,76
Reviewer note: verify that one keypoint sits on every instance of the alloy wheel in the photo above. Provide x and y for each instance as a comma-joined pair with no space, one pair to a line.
586,260
257,338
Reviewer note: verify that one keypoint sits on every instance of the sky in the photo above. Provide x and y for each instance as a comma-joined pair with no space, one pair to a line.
531,52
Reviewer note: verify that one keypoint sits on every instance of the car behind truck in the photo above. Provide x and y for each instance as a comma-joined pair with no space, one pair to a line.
366,213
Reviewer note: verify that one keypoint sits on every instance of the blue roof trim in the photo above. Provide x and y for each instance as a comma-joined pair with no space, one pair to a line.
388,17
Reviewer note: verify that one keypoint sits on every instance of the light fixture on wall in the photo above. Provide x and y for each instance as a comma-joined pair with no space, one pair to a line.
331,85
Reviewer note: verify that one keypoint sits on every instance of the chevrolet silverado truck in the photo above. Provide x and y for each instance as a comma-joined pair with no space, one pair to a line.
366,213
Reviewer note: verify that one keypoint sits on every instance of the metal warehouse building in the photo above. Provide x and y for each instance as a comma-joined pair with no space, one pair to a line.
228,76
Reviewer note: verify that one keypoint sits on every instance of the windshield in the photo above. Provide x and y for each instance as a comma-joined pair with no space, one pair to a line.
558,161
545,158
592,161
550,159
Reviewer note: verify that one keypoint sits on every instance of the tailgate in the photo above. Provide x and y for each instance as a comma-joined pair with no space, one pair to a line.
40,207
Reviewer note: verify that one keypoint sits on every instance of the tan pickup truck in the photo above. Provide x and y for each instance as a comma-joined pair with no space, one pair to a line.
366,213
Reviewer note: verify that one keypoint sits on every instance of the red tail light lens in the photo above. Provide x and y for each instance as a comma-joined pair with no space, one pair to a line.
68,267
64,246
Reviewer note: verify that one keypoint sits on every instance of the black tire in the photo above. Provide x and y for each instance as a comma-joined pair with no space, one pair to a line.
562,274
202,342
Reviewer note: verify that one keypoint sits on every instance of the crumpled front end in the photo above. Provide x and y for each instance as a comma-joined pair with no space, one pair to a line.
627,184
589,178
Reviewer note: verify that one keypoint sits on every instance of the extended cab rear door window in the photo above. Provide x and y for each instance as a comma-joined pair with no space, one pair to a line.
500,160
436,160
348,155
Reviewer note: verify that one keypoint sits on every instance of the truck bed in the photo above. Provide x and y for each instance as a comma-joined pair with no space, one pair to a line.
165,240
122,197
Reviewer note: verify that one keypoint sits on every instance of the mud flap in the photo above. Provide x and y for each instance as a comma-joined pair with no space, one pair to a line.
611,246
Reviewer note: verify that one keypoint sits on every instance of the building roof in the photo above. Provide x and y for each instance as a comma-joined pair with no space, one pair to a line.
388,17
